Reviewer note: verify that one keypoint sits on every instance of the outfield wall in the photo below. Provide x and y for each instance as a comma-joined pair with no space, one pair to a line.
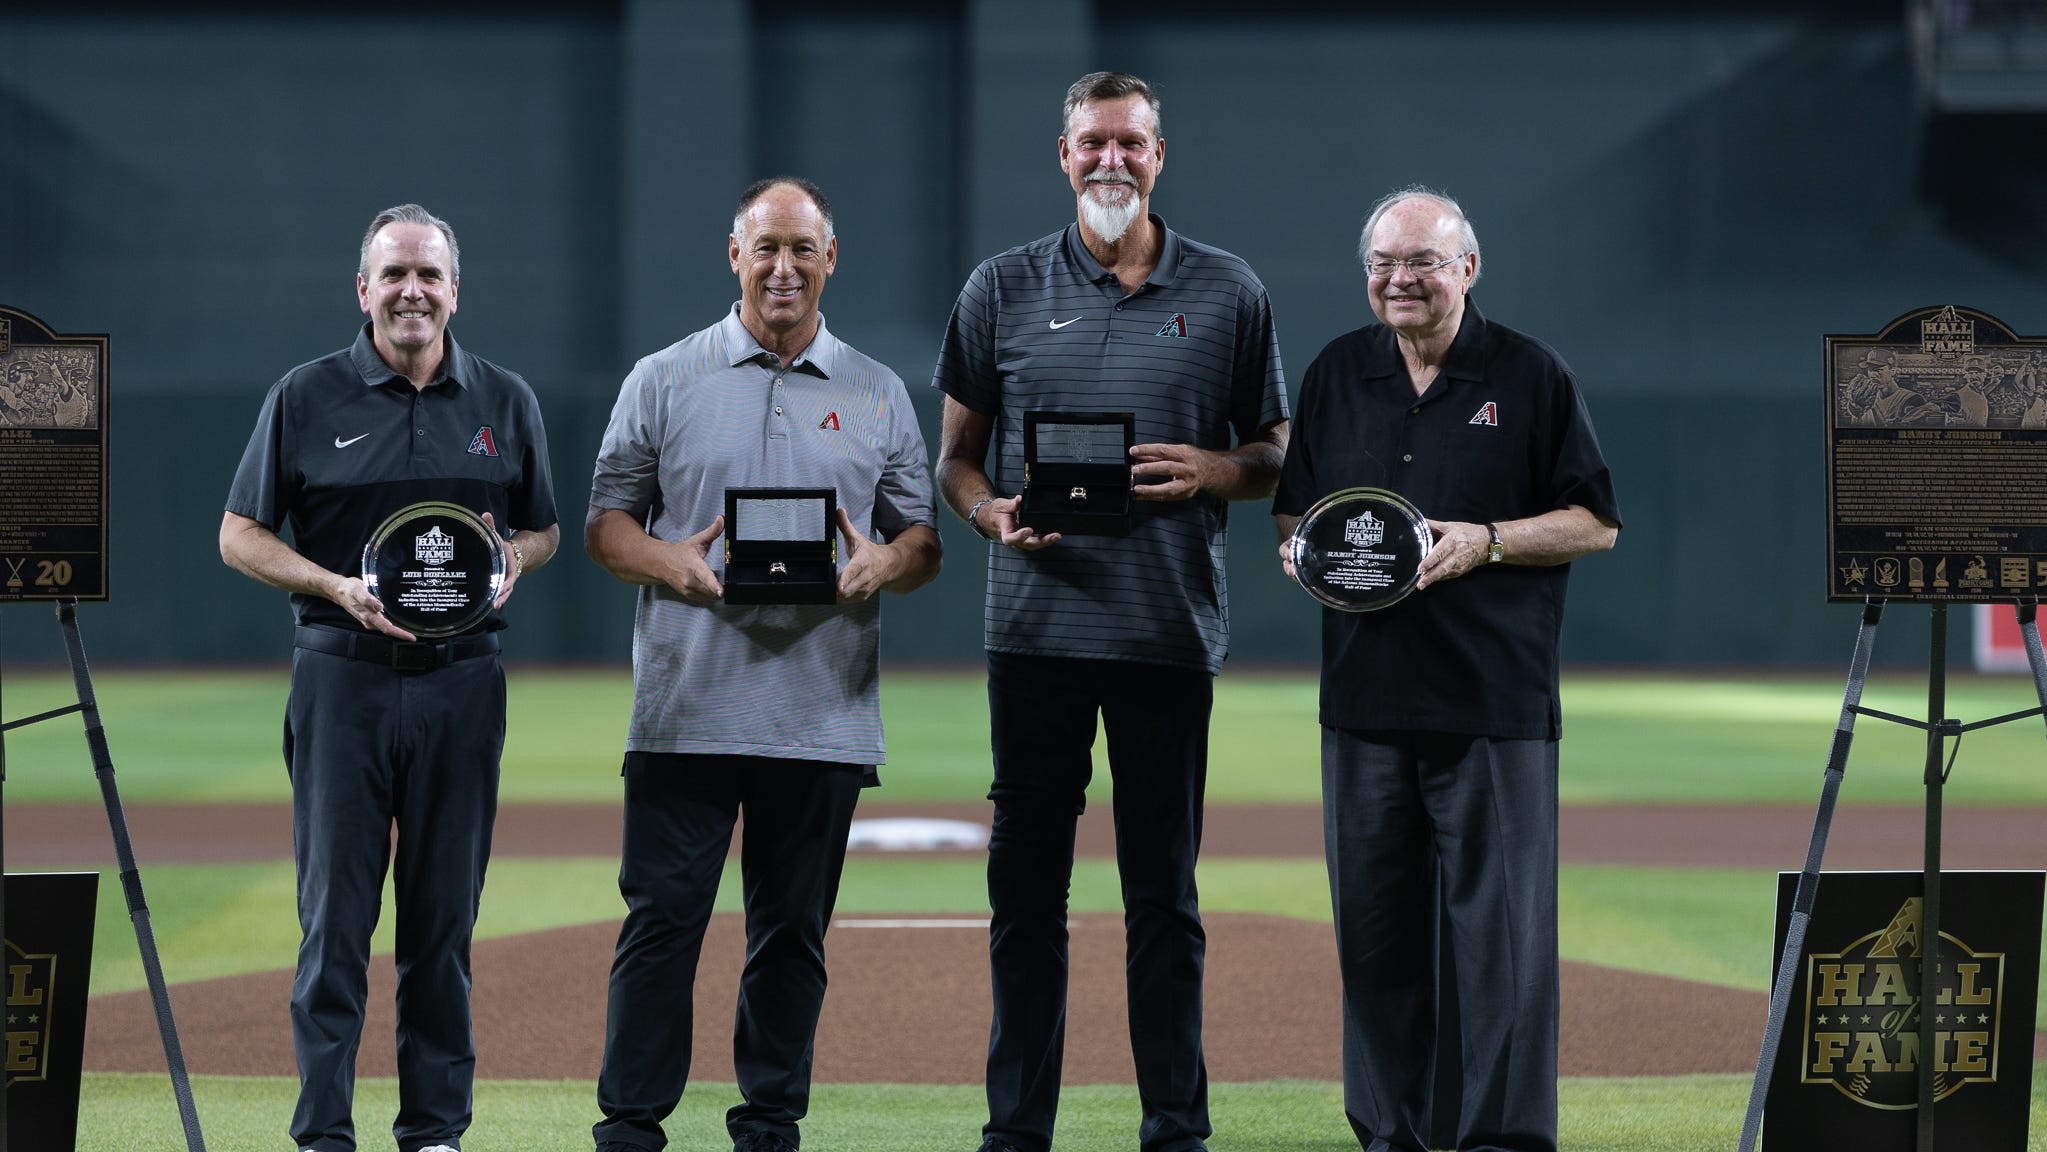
1680,197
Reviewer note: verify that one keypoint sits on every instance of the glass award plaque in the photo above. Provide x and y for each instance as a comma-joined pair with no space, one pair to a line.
1077,473
1360,549
781,546
436,566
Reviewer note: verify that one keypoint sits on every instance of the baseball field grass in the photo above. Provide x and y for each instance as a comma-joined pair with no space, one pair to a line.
213,737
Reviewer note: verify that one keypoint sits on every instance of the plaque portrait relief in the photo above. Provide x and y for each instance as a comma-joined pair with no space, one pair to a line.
44,386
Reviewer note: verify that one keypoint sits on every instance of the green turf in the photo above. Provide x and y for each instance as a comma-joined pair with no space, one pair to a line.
212,736
133,1113
1708,925
215,920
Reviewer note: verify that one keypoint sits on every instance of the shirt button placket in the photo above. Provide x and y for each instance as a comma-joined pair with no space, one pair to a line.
778,419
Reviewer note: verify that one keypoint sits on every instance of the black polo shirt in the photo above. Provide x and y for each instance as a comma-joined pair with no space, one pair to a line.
1501,434
343,442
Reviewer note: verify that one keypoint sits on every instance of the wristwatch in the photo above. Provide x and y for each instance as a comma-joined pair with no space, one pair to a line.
1492,553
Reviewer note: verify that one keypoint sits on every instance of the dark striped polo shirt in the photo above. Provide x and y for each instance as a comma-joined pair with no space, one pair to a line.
1192,353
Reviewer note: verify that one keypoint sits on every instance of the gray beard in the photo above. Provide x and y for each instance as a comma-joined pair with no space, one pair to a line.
1110,221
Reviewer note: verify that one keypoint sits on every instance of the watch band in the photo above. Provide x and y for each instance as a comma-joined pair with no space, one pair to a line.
1493,555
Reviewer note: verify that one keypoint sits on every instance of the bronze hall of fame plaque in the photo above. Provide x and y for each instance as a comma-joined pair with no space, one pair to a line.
1936,449
53,462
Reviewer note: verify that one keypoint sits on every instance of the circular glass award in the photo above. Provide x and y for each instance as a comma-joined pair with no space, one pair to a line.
1360,549
436,566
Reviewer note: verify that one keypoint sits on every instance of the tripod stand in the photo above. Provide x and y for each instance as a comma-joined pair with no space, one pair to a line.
1939,730
131,877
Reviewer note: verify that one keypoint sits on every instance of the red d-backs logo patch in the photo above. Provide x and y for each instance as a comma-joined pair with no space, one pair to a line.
484,443
1176,328
830,423
1488,413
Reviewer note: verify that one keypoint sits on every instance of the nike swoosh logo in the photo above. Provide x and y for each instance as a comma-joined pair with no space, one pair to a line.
1058,324
340,443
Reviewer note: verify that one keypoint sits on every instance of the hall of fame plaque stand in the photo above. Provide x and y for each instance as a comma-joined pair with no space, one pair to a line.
53,547
1936,437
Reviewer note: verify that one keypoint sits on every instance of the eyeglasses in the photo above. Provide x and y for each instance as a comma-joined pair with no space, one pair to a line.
1419,265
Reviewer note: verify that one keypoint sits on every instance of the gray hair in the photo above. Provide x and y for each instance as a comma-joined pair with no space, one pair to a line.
1467,237
760,188
409,214
1109,86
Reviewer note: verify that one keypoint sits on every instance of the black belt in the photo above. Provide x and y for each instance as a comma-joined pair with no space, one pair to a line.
403,655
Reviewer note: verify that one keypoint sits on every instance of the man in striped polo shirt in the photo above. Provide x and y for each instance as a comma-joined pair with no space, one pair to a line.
771,708
1114,313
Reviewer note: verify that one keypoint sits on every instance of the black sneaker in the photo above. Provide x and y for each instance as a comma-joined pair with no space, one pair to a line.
762,1142
998,1144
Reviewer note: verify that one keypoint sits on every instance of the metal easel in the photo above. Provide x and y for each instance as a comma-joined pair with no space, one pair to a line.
124,853
1939,729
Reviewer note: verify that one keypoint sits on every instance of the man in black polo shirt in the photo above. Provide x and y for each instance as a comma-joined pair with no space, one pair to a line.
1439,713
1115,313
382,728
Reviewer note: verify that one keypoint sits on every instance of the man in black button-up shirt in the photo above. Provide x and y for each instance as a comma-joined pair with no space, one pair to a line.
1439,713
380,729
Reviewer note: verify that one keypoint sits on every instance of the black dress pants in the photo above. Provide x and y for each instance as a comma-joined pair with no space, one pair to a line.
1405,812
369,748
679,815
1042,712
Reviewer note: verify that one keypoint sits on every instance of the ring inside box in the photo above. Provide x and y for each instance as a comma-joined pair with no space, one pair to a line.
1077,472
781,546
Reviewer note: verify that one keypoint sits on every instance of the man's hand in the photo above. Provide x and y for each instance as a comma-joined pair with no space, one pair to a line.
1285,524
1009,531
354,596
869,565
689,570
512,564
1459,548
1170,471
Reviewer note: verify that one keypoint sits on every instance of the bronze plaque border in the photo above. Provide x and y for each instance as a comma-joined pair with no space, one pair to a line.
47,560
1936,432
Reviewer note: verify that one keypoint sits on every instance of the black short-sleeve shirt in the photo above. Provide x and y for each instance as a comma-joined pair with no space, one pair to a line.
344,441
1500,434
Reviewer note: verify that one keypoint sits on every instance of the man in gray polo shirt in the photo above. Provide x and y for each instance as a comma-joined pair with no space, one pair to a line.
773,709
1114,313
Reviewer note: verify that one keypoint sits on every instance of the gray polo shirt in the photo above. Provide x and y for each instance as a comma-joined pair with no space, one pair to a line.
1193,354
716,411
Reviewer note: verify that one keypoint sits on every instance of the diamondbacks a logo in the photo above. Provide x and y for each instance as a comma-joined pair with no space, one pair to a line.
1175,328
1947,334
1862,1016
484,443
1364,530
31,986
830,421
1488,413
433,547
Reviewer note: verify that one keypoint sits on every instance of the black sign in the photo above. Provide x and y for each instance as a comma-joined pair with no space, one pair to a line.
1936,442
53,462
49,966
1847,1073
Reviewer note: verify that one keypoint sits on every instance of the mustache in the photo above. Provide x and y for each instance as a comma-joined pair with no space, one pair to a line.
1111,178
